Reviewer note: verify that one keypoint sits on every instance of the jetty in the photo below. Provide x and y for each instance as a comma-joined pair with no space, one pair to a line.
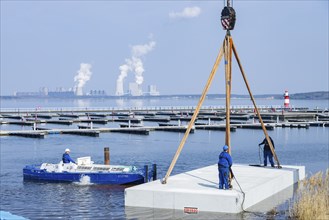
28,134
84,132
94,120
219,127
141,131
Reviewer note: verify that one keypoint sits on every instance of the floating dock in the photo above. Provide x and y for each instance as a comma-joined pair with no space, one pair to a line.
140,131
83,132
169,128
28,134
95,121
60,122
197,191
244,119
215,127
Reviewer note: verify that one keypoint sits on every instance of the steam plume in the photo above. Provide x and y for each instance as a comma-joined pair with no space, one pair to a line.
83,75
134,64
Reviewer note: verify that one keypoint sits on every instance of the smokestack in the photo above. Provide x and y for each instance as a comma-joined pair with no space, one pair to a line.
134,64
83,75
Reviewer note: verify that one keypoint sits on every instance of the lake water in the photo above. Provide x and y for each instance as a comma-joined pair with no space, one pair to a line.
307,147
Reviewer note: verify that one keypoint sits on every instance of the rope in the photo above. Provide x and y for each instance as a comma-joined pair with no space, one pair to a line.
243,193
244,197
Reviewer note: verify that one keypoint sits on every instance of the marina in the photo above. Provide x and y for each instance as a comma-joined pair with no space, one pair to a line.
170,120
180,141
154,146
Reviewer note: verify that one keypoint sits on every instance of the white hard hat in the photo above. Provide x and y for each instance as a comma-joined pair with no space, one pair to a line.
67,150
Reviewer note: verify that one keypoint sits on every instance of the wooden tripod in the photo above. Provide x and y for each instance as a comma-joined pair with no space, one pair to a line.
226,50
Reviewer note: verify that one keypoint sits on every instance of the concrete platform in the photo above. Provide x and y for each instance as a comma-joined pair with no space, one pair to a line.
197,190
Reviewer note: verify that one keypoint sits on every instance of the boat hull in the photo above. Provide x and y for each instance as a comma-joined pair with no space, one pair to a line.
36,174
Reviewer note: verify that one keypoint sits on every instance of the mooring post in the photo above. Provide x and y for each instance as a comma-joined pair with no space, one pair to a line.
154,173
106,155
146,170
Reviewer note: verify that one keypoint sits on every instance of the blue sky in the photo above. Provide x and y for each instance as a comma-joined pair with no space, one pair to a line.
282,45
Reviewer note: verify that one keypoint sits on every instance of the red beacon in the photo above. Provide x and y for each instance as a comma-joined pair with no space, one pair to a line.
286,99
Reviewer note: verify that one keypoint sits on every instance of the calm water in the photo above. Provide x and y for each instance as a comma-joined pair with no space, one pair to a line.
308,147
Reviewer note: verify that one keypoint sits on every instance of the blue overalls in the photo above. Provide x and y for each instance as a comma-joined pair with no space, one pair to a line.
67,158
267,151
224,163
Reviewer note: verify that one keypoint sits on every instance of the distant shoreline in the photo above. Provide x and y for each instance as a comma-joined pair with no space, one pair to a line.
321,95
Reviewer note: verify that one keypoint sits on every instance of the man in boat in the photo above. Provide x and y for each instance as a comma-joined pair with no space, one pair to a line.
224,164
66,157
267,151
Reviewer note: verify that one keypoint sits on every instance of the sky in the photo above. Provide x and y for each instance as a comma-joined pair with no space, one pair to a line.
282,45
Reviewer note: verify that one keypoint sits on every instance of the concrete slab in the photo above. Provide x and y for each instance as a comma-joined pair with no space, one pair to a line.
197,190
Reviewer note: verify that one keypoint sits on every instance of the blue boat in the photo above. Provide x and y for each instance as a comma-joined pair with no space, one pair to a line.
85,171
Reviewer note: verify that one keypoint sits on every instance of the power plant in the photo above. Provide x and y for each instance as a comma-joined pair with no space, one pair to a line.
60,92
134,64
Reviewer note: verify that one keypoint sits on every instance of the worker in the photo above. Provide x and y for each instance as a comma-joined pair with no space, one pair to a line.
224,165
267,151
66,157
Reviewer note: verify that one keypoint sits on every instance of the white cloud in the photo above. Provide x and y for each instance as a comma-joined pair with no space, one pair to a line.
188,12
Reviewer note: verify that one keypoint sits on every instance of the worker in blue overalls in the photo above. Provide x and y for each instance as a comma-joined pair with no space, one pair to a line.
66,157
224,164
267,151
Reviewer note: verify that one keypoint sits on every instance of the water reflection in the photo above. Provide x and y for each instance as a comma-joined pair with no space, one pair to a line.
137,103
72,201
131,103
120,102
82,103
